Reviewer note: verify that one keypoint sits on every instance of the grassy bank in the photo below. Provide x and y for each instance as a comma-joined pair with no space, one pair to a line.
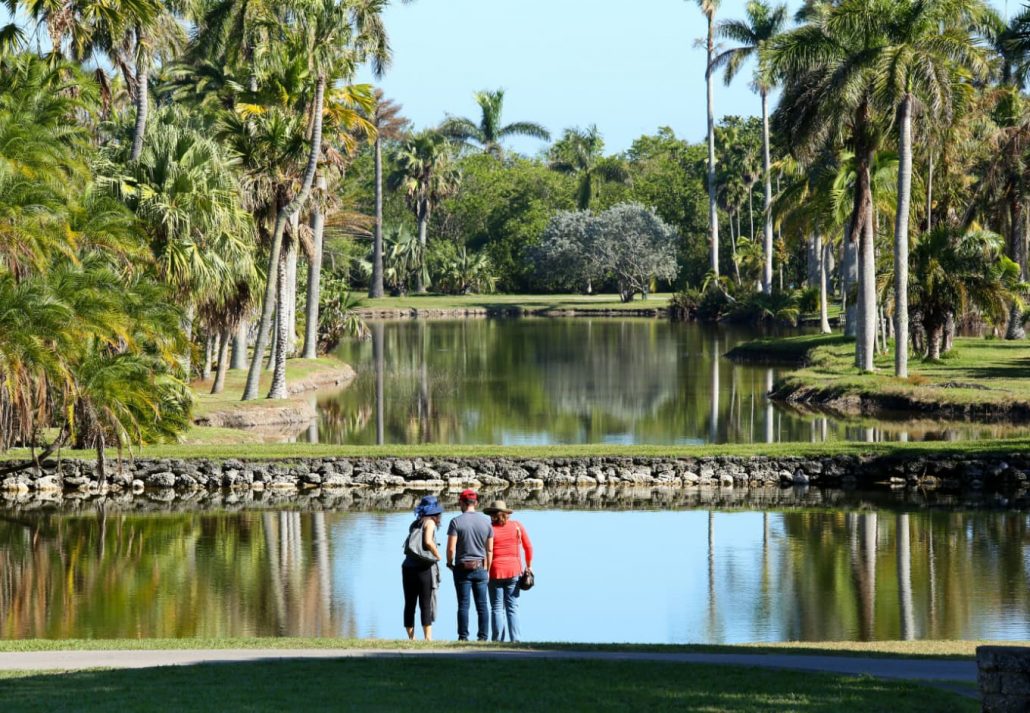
523,303
981,378
443,450
394,684
908,649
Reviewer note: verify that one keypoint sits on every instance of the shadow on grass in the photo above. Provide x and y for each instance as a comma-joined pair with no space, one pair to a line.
392,683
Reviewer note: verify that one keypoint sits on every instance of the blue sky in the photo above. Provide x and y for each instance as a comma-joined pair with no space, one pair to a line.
627,66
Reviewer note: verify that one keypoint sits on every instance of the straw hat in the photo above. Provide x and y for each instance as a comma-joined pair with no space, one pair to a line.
497,506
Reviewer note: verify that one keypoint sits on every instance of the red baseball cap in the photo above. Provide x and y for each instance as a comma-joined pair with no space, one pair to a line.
469,495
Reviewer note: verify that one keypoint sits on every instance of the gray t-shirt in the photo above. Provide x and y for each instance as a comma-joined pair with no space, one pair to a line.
473,529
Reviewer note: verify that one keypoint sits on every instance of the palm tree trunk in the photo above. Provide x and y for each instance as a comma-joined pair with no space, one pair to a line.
379,362
142,97
376,287
849,279
751,211
767,167
824,318
867,281
733,248
282,325
901,238
223,362
1016,252
423,228
205,373
929,192
239,346
713,210
284,214
291,251
314,277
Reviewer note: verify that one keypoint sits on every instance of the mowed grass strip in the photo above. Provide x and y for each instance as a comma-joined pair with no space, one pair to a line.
390,684
943,649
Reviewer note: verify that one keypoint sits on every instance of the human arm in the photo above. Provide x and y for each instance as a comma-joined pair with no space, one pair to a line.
452,548
527,546
489,553
427,538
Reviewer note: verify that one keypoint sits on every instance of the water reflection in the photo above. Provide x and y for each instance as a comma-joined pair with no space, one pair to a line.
729,577
536,381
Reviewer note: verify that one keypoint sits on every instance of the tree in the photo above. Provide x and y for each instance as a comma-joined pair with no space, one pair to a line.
931,57
764,22
489,131
389,125
426,173
954,270
709,7
581,153
566,253
636,246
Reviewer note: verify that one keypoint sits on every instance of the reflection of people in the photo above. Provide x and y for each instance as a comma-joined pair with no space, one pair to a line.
509,537
470,551
420,572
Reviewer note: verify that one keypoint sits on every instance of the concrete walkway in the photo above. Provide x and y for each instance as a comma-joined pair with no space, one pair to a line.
896,668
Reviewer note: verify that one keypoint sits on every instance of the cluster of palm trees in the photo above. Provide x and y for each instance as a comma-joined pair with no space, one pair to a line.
156,189
881,100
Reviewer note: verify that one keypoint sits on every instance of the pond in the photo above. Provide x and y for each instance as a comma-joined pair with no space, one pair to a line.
575,380
625,576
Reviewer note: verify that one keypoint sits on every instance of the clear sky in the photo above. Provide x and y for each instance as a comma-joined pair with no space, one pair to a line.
628,66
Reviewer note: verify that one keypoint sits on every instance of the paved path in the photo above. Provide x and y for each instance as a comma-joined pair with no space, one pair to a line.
900,668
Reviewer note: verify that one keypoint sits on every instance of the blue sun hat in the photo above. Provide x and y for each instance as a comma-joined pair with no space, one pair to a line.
428,506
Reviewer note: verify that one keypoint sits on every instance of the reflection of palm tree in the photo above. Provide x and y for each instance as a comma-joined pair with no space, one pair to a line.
904,547
769,414
713,422
378,332
713,613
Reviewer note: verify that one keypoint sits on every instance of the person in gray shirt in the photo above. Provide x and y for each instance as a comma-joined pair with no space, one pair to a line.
470,552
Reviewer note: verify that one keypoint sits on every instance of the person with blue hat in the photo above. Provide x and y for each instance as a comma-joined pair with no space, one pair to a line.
420,572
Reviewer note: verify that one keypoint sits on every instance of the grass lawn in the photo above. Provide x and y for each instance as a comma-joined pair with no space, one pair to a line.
910,649
449,685
287,451
980,377
532,303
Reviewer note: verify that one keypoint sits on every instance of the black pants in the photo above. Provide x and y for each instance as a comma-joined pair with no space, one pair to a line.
419,588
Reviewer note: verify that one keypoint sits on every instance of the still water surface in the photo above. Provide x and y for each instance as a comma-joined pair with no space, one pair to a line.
672,576
581,380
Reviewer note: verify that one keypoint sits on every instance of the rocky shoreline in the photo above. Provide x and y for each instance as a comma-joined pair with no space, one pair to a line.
993,479
507,311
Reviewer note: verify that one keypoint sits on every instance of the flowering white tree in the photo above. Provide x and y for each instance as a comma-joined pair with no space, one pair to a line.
635,246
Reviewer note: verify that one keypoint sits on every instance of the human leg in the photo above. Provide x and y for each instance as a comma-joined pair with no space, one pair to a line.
409,581
478,579
463,590
496,591
511,609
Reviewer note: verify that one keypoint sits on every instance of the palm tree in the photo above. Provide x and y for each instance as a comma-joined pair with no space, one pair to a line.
426,172
954,270
764,22
389,125
709,7
489,132
581,153
831,67
932,54
335,37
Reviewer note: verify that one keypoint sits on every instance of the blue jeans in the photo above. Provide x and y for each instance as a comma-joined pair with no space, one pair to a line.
504,603
466,582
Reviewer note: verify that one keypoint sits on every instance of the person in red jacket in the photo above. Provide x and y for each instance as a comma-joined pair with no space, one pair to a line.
509,538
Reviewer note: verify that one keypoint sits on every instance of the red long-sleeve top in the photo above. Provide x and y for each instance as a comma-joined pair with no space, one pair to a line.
507,562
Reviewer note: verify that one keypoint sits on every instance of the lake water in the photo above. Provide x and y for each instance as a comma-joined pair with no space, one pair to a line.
670,576
576,380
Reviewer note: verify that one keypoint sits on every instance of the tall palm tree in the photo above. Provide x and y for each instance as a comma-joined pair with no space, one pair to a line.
490,132
389,125
763,23
581,153
336,36
932,56
709,7
830,67
426,172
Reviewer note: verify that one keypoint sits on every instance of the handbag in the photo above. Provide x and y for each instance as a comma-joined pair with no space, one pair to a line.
526,581
414,546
